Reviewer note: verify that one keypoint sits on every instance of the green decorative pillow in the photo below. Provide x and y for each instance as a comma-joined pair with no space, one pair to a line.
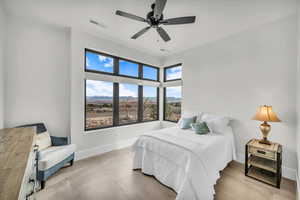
200,128
186,122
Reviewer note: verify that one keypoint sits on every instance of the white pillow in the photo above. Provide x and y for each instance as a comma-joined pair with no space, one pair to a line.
215,123
43,140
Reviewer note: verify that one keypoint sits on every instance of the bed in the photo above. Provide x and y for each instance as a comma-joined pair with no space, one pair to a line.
184,161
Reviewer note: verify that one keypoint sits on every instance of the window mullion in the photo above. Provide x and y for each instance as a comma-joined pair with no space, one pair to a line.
116,66
157,99
164,98
116,105
140,71
140,104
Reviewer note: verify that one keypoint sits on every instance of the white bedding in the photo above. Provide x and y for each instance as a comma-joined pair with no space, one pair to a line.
187,162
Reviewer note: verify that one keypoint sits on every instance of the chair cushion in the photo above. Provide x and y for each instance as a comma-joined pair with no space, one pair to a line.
43,140
53,155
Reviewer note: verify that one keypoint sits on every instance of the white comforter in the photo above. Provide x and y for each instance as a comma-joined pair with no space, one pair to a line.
187,162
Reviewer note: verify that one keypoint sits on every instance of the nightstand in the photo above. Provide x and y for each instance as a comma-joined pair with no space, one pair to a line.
263,162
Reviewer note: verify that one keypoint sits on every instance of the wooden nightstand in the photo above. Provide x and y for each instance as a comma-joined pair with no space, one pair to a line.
263,162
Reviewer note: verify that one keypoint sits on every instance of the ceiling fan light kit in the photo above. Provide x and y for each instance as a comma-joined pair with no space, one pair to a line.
155,19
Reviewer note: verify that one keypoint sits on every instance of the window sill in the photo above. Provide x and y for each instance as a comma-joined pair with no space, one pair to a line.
165,120
108,129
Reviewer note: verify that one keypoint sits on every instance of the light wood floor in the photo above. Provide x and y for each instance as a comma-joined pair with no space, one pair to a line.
110,177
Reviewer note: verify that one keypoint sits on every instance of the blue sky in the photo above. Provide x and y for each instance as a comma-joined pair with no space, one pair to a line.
128,68
149,91
149,72
98,62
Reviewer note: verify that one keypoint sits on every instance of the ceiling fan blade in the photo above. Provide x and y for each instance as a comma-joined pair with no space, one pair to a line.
179,20
141,32
163,34
159,8
130,16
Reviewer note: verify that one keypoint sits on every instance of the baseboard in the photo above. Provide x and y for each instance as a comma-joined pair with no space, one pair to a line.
104,149
286,171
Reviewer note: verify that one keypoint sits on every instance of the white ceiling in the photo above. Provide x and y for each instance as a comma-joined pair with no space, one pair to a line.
215,19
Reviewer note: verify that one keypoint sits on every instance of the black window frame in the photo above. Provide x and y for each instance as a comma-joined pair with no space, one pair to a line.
168,67
165,102
116,66
115,97
116,90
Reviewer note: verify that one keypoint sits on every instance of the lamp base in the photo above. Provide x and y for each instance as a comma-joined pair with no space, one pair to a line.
265,129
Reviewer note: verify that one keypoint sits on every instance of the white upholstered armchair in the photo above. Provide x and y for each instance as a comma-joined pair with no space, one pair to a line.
53,153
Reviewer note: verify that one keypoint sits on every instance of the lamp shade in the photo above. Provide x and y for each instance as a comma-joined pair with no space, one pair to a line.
265,113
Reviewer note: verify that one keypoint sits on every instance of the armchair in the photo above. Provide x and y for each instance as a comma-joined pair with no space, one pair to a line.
53,153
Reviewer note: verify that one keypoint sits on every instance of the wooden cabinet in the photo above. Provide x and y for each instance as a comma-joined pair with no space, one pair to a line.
263,162
17,164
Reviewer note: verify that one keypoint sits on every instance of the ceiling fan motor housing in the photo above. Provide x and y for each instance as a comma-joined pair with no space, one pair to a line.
152,21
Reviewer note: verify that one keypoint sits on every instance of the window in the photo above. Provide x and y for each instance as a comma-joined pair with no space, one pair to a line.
150,73
128,103
99,104
127,68
172,73
109,104
98,62
172,101
150,103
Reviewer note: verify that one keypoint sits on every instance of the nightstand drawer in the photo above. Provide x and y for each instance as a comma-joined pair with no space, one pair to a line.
262,153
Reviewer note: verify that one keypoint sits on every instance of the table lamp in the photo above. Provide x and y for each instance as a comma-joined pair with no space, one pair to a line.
265,114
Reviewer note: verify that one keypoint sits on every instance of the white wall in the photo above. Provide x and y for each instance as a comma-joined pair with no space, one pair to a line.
234,75
2,43
37,75
298,99
93,141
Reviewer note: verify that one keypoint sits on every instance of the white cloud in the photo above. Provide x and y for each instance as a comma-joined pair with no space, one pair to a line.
102,88
99,88
87,62
126,92
174,91
174,73
108,62
102,58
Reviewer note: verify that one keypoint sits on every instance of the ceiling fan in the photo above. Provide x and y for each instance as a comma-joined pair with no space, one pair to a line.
155,19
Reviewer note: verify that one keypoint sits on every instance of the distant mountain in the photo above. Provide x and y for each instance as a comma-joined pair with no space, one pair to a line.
128,98
98,98
173,99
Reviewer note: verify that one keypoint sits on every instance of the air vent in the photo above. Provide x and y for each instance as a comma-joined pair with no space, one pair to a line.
97,23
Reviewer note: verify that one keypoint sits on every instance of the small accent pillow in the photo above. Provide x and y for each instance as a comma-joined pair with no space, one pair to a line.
188,114
43,140
200,128
186,122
